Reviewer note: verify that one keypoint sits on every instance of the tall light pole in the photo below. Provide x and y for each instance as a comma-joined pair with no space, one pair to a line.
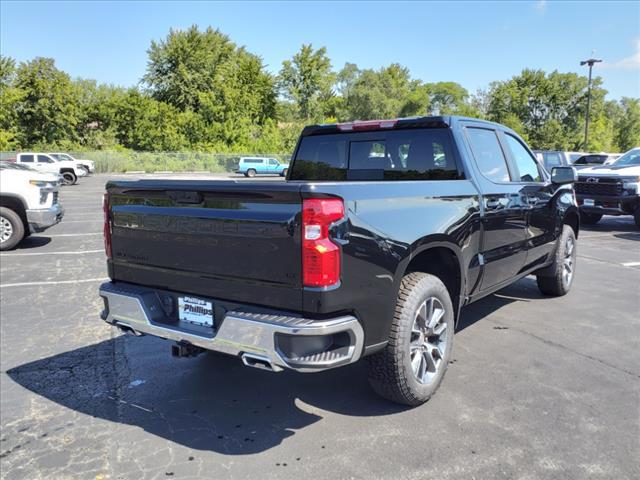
589,62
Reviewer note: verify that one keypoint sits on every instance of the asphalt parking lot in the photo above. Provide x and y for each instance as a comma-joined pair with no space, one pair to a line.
538,388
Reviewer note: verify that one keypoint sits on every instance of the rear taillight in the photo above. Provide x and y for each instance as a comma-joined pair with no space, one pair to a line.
107,225
320,256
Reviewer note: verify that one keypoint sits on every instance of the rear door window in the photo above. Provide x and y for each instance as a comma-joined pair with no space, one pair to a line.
26,158
488,154
415,154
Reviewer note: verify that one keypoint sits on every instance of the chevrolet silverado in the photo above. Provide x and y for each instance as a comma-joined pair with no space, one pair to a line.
382,232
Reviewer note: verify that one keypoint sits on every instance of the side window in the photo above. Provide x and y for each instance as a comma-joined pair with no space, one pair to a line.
26,158
527,166
552,159
488,154
44,159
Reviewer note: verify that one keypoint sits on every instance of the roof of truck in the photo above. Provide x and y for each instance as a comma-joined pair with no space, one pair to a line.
441,121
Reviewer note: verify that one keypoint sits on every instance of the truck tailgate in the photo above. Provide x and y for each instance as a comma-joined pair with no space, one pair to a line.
237,241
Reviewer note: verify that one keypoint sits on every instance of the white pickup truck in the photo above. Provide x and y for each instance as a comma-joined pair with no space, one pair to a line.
612,189
43,162
28,203
85,164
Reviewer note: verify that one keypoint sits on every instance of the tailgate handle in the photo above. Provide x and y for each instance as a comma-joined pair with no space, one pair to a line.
185,197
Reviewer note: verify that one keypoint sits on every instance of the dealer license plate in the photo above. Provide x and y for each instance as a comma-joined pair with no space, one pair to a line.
195,310
589,202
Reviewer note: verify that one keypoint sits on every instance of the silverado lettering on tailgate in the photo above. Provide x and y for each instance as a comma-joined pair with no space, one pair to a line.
199,226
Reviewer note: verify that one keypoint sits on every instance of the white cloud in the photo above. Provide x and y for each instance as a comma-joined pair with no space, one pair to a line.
540,5
632,62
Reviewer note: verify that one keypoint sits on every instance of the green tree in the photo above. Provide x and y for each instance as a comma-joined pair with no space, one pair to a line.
47,111
187,63
627,124
549,109
307,80
449,98
10,97
143,123
384,93
206,73
98,106
191,63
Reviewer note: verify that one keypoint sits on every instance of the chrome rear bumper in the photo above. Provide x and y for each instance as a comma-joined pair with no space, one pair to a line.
264,337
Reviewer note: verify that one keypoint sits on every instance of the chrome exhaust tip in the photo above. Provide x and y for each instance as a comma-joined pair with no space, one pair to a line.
258,361
123,327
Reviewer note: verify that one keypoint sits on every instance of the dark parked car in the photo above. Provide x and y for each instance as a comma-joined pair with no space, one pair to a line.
382,232
594,159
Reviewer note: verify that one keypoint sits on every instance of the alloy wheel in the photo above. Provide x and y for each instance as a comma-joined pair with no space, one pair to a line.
6,230
568,262
428,340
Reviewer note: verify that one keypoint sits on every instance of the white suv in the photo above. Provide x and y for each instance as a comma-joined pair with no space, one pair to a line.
28,203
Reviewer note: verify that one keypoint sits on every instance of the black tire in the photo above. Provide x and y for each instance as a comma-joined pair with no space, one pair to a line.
69,178
284,172
391,371
590,218
10,220
251,173
555,281
636,216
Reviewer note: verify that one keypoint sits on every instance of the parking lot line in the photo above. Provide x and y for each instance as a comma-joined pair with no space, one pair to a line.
631,264
75,234
97,220
56,282
79,252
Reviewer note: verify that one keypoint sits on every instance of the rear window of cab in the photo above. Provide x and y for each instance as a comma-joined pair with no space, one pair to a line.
411,154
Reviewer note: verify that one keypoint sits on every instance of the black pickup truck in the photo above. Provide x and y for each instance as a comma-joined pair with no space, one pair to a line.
381,233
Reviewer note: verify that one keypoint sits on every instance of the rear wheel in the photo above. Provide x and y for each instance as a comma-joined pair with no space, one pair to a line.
11,229
251,173
563,269
284,172
411,367
85,168
590,218
69,178
636,216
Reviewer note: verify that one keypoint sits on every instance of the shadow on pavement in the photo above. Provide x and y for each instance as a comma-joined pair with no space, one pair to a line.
628,236
210,403
524,290
612,224
213,402
33,241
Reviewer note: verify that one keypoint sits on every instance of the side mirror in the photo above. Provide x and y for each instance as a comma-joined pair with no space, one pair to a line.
564,175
